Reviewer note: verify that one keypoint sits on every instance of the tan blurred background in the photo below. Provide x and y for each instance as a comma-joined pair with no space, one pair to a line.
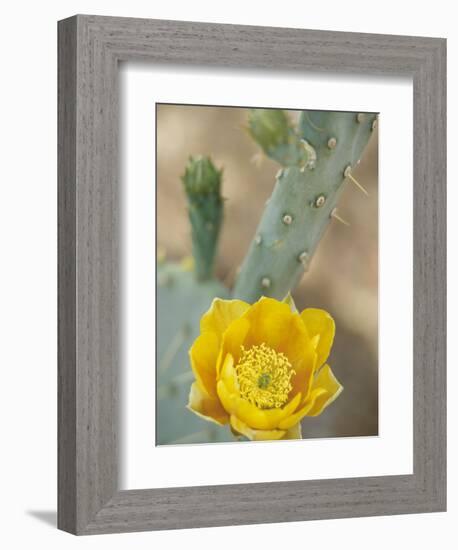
343,276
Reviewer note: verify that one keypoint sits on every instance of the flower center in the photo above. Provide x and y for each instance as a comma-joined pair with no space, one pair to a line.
264,376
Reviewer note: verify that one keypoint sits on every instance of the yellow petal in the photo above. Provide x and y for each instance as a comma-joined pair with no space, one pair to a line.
295,418
299,350
294,433
268,419
319,323
255,435
233,338
331,389
269,321
259,419
304,368
204,355
227,398
221,314
295,341
206,407
228,374
325,389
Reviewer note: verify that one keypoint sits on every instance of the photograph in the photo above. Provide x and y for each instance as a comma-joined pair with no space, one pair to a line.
267,258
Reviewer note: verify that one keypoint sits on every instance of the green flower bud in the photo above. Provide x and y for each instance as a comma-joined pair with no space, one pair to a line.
202,184
270,128
201,176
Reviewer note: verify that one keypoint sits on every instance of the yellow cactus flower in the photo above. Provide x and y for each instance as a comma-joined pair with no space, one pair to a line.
262,367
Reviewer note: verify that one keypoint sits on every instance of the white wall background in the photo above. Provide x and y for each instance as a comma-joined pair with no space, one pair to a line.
28,271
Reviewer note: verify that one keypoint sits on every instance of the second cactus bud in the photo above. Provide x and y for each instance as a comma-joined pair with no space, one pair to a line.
202,183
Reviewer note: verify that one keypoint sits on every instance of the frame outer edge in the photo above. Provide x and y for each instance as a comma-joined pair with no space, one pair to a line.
89,501
442,99
97,275
67,132
436,252
430,277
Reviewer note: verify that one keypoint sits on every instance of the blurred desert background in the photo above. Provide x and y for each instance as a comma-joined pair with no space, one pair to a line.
343,276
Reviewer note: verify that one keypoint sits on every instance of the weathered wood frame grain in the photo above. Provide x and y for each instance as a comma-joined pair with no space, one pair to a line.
90,49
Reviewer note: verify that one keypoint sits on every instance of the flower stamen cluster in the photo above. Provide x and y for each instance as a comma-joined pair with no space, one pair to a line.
264,376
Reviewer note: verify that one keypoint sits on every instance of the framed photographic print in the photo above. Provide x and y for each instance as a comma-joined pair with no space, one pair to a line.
251,275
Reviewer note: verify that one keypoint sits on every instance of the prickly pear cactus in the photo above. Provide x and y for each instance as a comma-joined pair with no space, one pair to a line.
305,195
184,292
317,156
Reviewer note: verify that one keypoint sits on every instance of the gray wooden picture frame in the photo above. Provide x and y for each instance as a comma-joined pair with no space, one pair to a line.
90,49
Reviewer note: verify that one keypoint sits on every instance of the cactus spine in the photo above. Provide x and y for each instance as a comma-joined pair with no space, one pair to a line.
304,197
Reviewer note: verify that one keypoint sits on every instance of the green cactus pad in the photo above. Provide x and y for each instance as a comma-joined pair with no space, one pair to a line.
302,202
181,301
